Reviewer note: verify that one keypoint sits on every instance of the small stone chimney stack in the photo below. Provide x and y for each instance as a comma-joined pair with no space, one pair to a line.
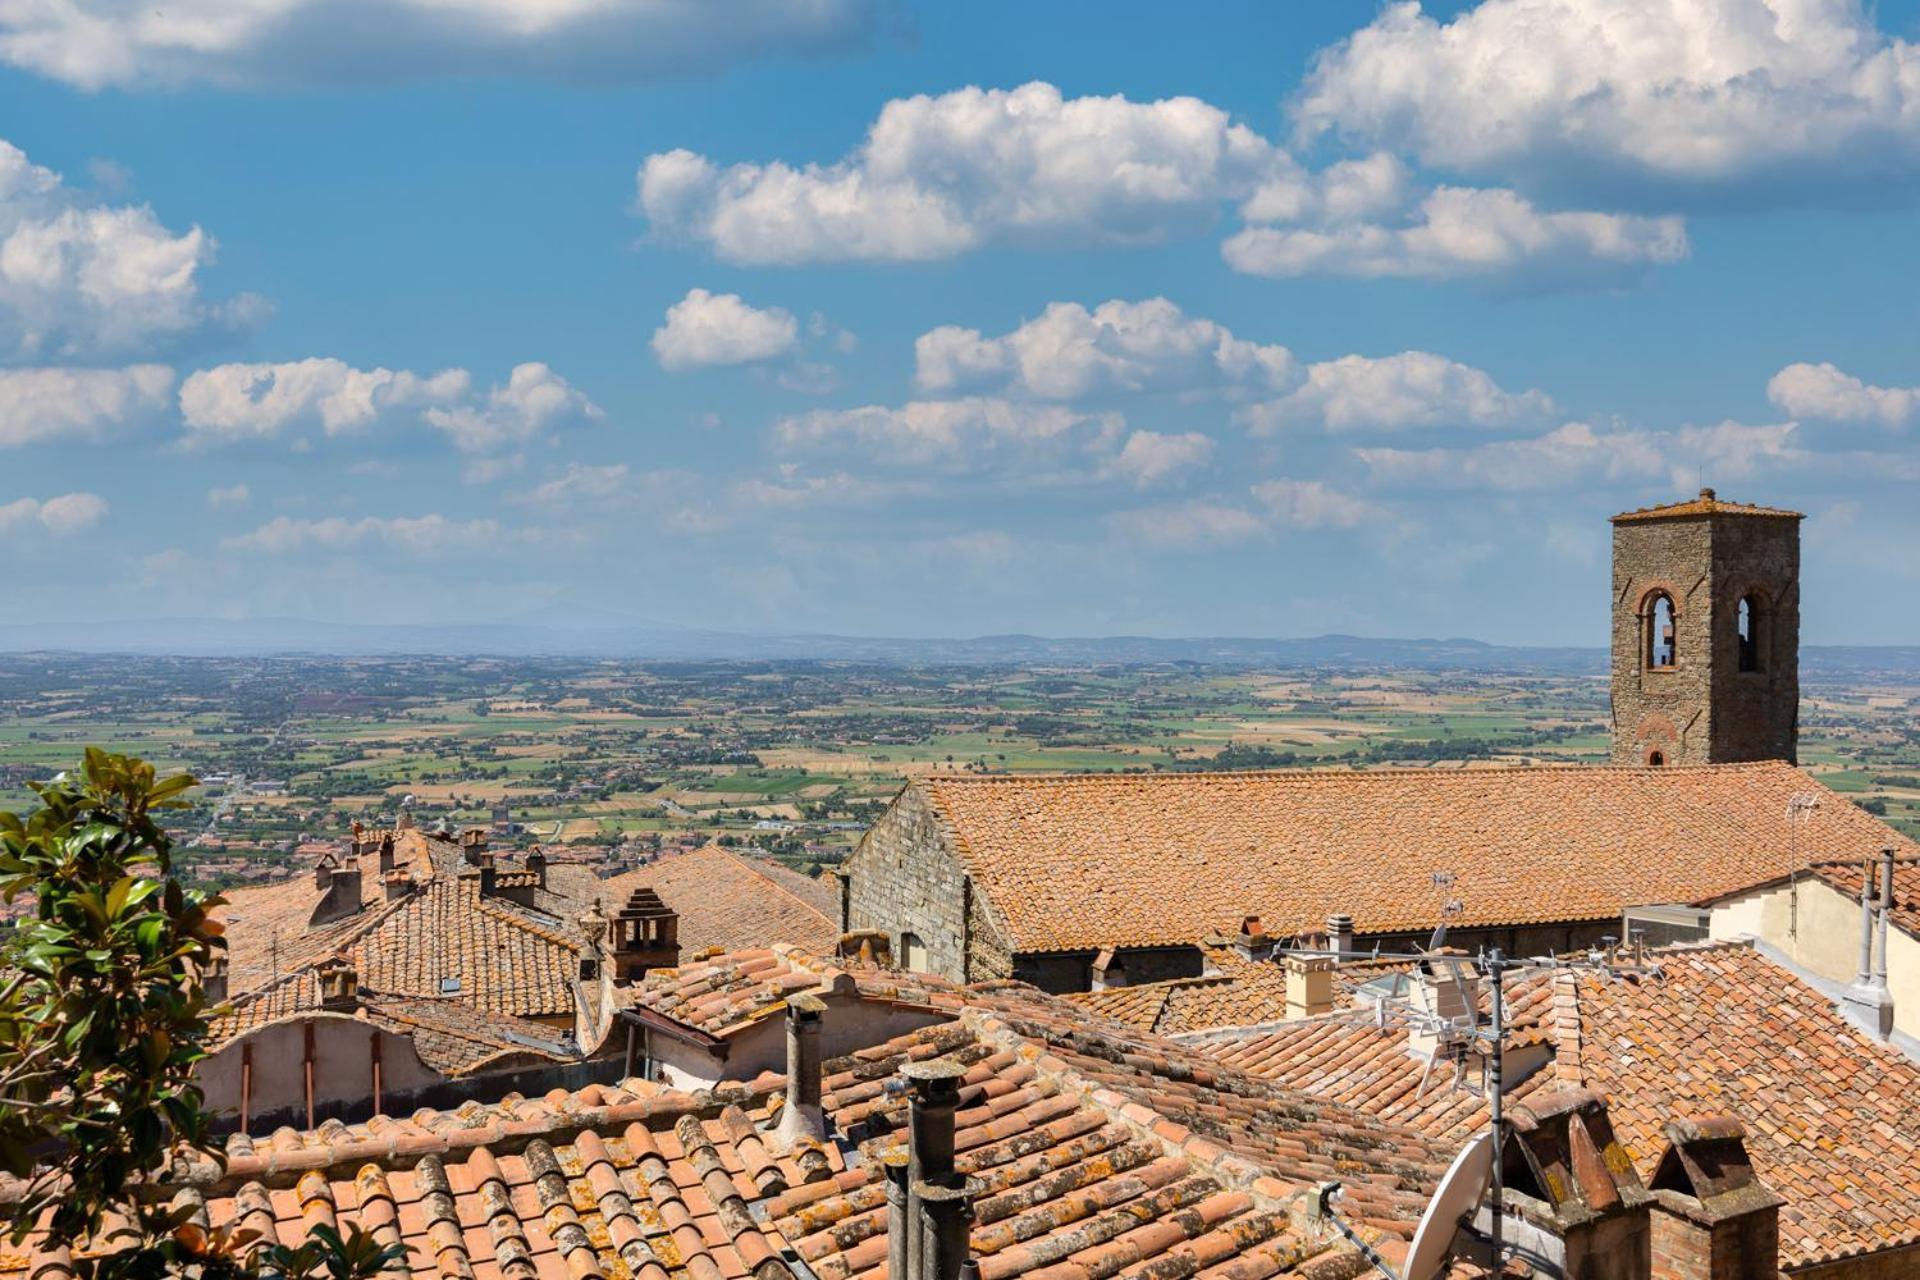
473,844
593,923
801,1119
1309,986
398,885
1713,1219
342,898
646,935
867,946
339,987
213,978
1109,970
1340,932
323,871
537,863
938,1198
1254,943
386,853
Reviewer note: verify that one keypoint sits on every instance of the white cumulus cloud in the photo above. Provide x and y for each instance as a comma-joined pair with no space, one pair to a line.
1070,351
1149,458
68,513
705,329
96,44
534,399
1203,522
1825,392
1314,504
58,404
1579,453
84,279
1455,233
969,434
239,401
938,176
1412,389
414,536
1688,91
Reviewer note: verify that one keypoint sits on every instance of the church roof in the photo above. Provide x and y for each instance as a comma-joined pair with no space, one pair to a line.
1706,504
1079,862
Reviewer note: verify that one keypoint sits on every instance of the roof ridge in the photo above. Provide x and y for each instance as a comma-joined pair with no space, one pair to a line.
1334,771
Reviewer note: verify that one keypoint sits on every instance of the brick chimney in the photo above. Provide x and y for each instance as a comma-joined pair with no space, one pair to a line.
1574,1190
1309,986
213,978
1109,970
801,1119
1253,943
594,924
323,871
398,885
537,863
473,844
1713,1219
489,874
339,987
646,935
342,895
386,853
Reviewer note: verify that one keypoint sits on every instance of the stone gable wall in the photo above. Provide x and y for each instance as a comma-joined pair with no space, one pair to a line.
905,878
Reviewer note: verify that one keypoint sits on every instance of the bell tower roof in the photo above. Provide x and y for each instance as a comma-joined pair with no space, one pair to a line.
1706,504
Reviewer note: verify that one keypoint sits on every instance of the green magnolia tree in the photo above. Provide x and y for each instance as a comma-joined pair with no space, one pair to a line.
102,1020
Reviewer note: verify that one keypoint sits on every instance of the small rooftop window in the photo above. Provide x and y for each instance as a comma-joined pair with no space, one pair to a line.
449,986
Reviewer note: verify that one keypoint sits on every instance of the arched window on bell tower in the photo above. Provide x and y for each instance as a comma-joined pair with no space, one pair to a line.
1748,624
1663,650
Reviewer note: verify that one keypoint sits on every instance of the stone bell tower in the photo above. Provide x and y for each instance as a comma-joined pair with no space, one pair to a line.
1706,633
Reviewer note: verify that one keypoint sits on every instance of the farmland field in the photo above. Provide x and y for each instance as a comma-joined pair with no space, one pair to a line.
612,760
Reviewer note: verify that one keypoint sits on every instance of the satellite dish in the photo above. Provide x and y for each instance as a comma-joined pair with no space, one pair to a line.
1457,1195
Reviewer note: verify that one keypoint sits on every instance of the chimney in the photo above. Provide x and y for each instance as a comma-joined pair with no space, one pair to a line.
213,978
1253,942
1340,932
646,935
398,885
339,987
938,1200
1713,1219
386,853
1579,1202
489,874
537,863
1868,1003
1109,970
801,1119
593,923
1309,986
323,871
473,843
1447,999
358,832
868,946
405,821
342,896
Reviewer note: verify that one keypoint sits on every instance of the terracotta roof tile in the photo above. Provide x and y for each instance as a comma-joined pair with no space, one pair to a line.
1706,504
1087,861
722,994
1828,1112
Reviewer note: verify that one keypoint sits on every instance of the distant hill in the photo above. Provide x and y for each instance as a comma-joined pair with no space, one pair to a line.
287,637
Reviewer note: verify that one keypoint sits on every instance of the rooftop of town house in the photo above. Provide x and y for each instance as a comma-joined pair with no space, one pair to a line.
1084,862
1093,1148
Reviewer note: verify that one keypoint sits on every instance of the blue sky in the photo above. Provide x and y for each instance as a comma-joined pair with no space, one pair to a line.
945,320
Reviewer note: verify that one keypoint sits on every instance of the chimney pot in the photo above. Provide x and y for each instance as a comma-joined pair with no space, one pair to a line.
213,978
1340,932
801,1119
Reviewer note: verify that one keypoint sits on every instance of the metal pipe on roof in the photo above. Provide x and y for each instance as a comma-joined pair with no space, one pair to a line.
1886,913
1866,922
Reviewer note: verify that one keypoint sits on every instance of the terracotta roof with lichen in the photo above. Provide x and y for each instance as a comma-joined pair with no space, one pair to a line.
1094,1153
1233,992
723,994
1828,1111
1707,503
1080,862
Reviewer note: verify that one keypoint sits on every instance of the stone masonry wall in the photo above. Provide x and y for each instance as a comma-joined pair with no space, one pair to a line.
1756,714
1667,710
904,878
